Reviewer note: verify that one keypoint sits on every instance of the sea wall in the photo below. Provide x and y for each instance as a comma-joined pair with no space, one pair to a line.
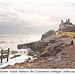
38,45
35,46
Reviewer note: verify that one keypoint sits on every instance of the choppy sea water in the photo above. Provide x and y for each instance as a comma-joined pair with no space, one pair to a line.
11,41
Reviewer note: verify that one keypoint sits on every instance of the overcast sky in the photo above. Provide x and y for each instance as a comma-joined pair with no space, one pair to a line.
34,18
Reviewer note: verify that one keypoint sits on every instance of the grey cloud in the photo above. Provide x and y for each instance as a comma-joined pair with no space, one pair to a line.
14,28
34,18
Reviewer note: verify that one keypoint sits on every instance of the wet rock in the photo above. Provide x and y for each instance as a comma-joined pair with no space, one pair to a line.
15,56
51,50
32,54
29,58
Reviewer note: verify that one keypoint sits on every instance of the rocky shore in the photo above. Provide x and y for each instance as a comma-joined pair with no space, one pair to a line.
63,59
50,52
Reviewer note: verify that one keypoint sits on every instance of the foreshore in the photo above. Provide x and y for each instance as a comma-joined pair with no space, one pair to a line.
59,54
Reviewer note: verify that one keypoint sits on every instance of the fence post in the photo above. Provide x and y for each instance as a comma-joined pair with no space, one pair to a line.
8,54
1,55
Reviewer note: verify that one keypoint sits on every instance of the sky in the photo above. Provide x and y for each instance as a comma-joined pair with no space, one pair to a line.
34,18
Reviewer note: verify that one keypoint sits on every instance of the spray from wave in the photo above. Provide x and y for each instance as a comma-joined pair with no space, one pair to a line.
11,41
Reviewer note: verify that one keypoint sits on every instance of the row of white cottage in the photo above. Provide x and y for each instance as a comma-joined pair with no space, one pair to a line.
65,24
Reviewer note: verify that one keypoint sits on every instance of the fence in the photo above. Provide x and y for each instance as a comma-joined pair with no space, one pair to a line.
4,54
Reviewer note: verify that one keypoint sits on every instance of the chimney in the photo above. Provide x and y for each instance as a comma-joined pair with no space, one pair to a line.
61,21
68,20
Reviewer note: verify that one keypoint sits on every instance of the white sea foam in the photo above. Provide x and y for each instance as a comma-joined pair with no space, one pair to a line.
23,56
11,41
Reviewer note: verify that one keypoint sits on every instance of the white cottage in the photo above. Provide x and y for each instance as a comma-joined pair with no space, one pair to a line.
65,24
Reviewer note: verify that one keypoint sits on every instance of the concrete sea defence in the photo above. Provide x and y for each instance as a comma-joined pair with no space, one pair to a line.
35,46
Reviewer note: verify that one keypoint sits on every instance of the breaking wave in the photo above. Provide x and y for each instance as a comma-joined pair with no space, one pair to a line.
11,41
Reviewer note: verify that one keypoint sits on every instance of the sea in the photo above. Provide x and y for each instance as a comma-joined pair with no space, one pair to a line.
11,41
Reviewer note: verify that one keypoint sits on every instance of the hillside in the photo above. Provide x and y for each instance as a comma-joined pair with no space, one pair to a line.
60,54
51,51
